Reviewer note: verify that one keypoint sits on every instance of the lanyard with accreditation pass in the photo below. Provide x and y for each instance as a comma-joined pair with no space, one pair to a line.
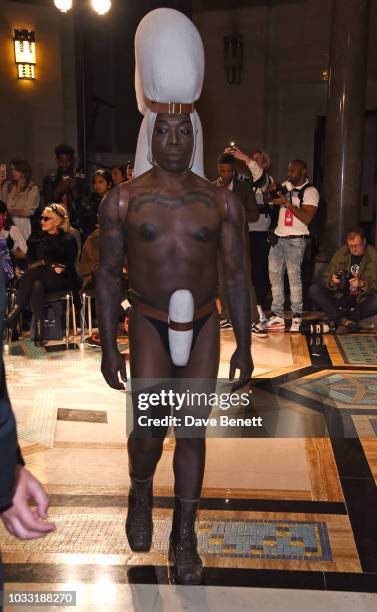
288,218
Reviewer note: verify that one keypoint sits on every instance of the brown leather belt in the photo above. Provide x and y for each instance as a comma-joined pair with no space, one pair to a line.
170,108
161,315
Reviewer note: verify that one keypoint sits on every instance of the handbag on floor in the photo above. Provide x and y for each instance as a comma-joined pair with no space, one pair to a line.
52,317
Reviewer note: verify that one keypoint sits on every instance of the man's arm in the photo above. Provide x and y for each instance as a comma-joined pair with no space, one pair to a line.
251,208
17,485
109,283
233,252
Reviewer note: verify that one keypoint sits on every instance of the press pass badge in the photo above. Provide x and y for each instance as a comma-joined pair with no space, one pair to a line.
288,218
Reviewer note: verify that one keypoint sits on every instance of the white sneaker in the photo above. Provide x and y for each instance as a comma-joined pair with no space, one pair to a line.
275,323
296,324
258,330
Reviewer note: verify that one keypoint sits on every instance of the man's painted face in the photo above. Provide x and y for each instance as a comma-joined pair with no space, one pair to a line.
172,142
65,163
226,172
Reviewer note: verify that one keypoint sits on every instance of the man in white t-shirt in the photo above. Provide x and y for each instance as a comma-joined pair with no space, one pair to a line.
298,205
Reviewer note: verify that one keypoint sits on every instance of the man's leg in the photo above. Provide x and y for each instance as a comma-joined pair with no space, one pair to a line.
199,376
276,270
259,256
368,308
294,254
148,361
326,302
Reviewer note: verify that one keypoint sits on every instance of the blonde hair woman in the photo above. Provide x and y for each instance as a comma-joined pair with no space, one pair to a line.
51,257
61,213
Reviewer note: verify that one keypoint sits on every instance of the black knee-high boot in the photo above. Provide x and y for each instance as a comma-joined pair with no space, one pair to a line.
183,543
38,334
139,525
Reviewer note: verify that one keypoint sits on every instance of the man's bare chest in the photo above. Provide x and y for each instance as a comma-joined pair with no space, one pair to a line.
155,215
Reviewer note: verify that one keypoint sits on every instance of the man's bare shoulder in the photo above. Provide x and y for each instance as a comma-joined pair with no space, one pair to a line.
143,181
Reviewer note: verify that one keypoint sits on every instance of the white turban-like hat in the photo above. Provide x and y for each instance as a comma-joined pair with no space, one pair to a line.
169,59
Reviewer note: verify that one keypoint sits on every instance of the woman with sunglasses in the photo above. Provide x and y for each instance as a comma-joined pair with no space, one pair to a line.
51,267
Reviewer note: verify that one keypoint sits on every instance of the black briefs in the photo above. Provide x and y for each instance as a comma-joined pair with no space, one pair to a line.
163,329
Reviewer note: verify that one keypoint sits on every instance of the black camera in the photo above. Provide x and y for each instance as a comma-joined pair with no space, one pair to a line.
269,196
343,277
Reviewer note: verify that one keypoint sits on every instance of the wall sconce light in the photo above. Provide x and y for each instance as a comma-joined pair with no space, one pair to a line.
63,5
325,74
24,50
233,58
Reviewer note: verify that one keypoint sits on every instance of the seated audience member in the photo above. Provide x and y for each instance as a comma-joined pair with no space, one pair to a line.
348,292
89,261
67,227
51,267
88,267
66,186
21,195
102,183
89,264
12,234
118,174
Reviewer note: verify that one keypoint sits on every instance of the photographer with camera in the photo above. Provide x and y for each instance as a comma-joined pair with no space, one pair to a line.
349,290
297,200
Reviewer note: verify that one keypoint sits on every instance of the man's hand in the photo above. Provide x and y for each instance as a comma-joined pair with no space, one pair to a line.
243,361
281,200
112,363
66,184
21,520
335,279
238,154
356,282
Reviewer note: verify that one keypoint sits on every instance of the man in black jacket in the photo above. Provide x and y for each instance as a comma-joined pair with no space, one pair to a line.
243,189
17,485
66,186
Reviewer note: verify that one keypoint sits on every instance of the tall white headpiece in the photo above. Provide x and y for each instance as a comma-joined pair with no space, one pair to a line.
169,77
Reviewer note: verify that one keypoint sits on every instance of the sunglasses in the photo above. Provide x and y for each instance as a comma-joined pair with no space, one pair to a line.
46,218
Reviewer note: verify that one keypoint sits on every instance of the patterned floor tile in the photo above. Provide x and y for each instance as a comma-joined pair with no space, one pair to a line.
258,539
350,390
358,349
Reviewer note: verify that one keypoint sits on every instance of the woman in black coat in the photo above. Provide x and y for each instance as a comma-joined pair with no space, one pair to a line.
51,267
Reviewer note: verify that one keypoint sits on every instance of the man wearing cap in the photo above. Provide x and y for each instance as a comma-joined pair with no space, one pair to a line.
171,222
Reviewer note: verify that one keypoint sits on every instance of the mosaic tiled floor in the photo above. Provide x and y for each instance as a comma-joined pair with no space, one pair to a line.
262,539
296,514
358,349
345,389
